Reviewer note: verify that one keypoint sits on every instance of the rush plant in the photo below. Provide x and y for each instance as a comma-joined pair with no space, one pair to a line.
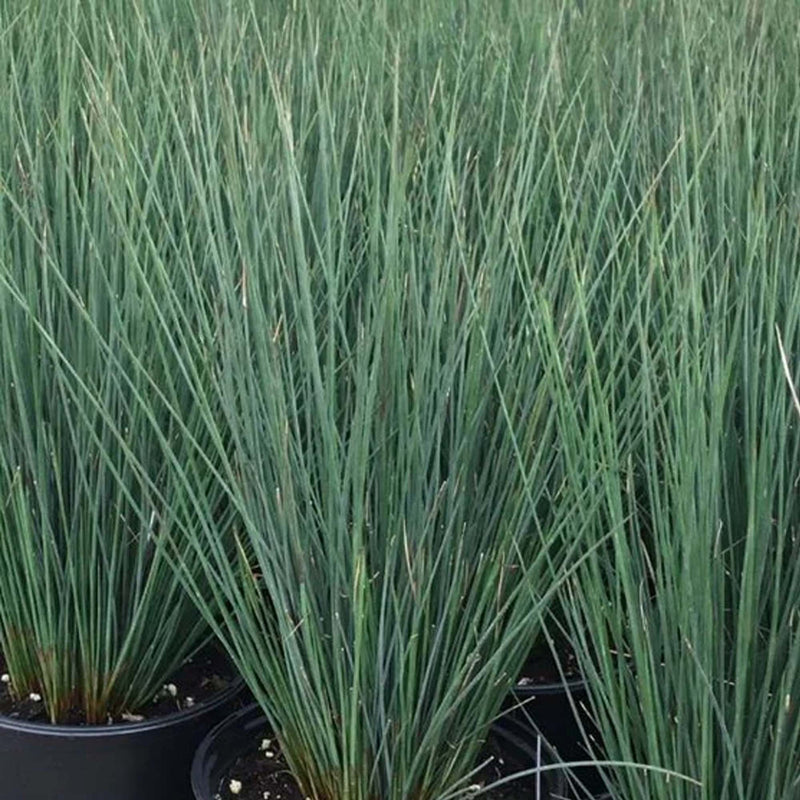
674,403
92,617
359,213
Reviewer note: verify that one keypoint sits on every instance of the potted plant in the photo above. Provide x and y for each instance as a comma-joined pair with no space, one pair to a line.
391,454
94,624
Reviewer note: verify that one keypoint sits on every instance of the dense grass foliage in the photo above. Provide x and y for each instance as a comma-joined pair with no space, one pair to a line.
92,617
391,313
675,406
357,225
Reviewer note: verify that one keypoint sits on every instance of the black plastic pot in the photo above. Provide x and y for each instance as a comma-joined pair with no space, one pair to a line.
546,709
139,761
235,736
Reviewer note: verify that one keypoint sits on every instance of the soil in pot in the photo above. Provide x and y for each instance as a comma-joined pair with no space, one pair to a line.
196,681
263,777
541,668
258,771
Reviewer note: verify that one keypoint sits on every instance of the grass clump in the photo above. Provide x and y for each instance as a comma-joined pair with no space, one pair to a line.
359,217
92,616
674,406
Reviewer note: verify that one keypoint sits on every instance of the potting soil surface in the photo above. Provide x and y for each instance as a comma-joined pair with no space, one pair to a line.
541,668
197,680
262,774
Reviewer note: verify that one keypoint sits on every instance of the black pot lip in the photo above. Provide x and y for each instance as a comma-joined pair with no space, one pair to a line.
507,728
572,685
209,741
45,729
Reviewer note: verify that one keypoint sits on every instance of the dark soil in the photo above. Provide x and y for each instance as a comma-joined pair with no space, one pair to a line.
541,668
198,680
262,774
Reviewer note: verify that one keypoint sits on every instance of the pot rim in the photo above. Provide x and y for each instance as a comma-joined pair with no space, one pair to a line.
210,739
